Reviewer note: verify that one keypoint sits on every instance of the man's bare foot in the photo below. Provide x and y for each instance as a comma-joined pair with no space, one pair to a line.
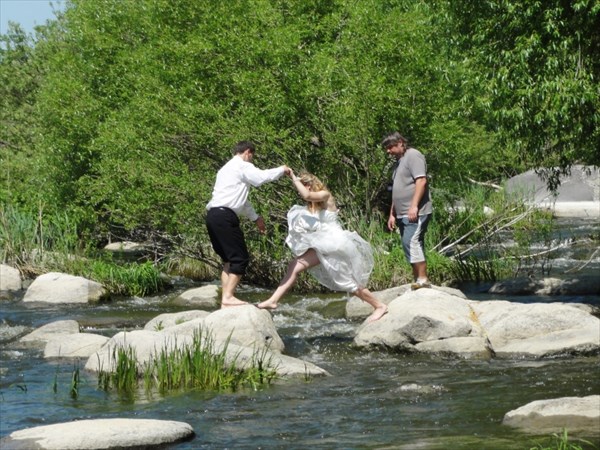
377,314
267,304
232,302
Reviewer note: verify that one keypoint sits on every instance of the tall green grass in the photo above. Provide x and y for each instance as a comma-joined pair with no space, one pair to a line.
37,243
465,241
34,240
194,366
124,279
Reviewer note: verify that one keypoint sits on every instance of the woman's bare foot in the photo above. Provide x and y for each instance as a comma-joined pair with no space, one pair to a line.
379,312
267,304
232,302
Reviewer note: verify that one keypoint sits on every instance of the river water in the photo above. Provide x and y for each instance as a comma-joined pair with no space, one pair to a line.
372,400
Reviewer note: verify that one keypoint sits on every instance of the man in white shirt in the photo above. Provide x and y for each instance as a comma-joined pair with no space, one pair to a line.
229,201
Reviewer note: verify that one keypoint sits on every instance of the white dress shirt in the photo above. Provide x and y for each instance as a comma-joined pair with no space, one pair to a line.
233,185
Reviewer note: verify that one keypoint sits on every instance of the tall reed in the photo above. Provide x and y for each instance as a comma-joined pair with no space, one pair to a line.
35,240
37,243
124,375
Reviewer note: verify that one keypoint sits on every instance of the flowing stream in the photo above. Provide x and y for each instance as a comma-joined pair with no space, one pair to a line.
373,399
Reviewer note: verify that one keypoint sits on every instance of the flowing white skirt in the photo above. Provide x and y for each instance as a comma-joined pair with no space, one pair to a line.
346,258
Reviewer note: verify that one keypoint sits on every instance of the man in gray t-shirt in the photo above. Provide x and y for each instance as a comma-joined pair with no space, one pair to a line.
411,207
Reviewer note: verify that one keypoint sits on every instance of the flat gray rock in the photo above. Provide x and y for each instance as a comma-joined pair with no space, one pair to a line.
356,309
436,322
168,320
572,413
99,434
42,335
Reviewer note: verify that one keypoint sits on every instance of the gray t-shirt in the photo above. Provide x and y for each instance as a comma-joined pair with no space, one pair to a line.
411,166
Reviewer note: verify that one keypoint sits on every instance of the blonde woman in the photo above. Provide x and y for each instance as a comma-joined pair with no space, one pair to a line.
339,259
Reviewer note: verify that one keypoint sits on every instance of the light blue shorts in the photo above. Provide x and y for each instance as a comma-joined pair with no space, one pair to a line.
413,237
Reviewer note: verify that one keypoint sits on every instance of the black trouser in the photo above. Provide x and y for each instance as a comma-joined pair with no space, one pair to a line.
227,239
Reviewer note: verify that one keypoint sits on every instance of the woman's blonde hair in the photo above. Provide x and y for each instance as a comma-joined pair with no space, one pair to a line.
316,185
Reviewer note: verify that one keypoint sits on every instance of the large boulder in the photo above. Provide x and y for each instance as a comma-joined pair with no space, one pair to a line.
99,434
246,326
78,345
577,196
57,287
467,347
145,344
283,365
10,278
246,333
356,309
538,329
420,320
432,321
576,414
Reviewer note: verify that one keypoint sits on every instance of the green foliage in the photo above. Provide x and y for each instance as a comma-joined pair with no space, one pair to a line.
119,114
535,229
75,381
476,232
151,96
190,268
538,66
124,377
23,69
20,76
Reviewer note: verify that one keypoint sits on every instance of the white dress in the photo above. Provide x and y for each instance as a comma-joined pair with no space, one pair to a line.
346,258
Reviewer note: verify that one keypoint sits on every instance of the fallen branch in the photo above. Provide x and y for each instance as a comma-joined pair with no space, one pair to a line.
486,184
496,230
575,269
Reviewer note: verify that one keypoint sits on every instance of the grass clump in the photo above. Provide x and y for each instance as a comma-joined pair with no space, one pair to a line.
124,377
125,279
197,365
562,442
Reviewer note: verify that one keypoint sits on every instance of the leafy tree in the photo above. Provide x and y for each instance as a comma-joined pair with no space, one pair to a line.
20,75
538,64
144,99
383,70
